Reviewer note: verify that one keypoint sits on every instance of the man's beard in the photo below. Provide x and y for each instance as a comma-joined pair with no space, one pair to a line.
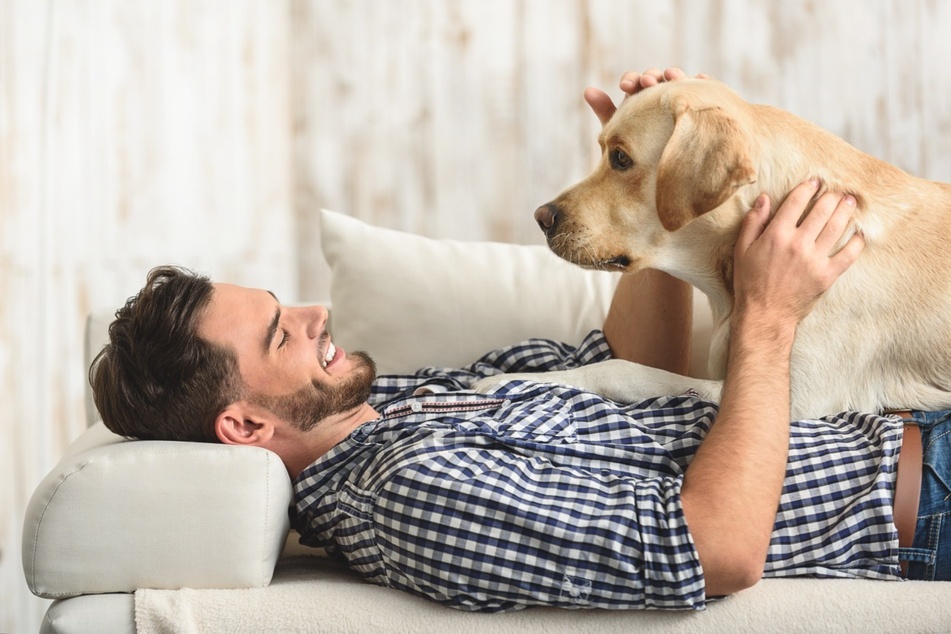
316,402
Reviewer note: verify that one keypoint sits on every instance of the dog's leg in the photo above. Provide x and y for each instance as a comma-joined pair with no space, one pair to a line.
618,380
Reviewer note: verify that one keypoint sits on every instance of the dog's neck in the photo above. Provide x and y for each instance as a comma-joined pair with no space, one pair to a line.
701,253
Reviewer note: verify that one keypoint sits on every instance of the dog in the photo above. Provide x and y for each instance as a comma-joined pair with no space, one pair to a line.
682,162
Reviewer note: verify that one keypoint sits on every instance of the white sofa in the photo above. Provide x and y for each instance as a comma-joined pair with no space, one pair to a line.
181,537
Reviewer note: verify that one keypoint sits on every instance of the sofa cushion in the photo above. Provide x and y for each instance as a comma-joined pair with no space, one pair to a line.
117,515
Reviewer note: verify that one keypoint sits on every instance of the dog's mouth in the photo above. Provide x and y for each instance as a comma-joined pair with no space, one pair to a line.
571,247
617,263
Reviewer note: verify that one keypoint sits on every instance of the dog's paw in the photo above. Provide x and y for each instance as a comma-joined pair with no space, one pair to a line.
599,378
617,380
627,382
489,383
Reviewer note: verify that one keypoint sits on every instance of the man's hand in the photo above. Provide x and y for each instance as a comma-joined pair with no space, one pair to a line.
782,266
631,83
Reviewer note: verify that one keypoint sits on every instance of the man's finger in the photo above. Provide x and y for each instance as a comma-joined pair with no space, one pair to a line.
654,73
836,224
673,74
601,103
754,223
848,254
791,209
630,82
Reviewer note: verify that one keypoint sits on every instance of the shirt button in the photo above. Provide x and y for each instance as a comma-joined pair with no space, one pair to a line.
575,591
416,407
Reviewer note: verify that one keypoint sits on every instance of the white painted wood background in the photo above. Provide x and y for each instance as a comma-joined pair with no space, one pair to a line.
209,133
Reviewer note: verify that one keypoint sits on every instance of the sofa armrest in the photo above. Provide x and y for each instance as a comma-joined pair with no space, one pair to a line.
114,516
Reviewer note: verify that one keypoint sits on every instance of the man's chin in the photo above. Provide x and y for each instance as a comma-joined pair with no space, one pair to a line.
356,391
316,402
363,359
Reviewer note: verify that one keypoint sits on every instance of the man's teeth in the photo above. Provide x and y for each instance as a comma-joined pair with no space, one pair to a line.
331,351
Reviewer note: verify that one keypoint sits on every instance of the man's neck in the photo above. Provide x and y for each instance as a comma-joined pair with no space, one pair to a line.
311,445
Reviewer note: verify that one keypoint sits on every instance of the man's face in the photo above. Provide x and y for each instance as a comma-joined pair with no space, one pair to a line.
287,361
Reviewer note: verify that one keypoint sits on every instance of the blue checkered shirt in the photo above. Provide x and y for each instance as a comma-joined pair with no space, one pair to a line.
544,495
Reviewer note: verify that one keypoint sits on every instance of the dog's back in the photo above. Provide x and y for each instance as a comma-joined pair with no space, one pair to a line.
881,337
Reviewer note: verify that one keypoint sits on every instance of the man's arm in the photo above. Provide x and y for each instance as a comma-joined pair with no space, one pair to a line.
732,487
650,321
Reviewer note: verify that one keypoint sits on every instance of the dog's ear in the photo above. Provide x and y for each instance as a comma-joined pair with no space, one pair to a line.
706,159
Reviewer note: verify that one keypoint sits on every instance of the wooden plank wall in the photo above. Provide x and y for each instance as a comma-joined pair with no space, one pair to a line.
210,133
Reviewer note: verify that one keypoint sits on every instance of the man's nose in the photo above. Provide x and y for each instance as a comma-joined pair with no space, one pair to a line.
315,319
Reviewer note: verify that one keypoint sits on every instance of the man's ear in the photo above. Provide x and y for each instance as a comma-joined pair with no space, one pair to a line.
243,424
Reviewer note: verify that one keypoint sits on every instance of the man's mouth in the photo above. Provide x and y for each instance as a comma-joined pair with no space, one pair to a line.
329,354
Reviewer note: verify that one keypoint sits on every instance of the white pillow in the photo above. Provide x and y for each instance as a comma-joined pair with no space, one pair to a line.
116,515
412,301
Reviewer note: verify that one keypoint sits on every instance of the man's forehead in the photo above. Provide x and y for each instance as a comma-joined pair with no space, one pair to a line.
232,309
227,292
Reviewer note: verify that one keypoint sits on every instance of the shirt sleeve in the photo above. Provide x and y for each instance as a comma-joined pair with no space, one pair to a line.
497,532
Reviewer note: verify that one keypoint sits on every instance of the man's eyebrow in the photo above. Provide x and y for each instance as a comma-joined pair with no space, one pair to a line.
272,328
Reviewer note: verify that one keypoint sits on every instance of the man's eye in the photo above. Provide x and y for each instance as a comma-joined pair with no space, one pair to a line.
619,160
285,336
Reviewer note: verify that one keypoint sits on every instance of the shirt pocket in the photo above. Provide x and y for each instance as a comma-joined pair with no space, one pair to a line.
542,416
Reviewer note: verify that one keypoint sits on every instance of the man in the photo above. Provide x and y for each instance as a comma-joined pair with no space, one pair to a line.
533,493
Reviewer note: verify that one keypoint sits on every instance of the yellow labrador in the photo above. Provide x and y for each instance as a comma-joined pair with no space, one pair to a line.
682,162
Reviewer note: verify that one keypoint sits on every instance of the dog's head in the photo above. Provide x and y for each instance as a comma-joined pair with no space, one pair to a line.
669,155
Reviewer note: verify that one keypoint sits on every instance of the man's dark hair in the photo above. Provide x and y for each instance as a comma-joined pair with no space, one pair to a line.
157,379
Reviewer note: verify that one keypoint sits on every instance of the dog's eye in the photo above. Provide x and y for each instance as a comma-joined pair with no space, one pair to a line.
619,160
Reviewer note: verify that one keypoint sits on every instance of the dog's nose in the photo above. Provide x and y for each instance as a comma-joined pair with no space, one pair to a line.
547,217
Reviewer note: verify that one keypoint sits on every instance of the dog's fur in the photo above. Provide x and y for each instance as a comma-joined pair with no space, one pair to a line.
879,338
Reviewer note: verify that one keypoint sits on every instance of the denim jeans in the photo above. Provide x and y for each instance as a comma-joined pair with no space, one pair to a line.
929,558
